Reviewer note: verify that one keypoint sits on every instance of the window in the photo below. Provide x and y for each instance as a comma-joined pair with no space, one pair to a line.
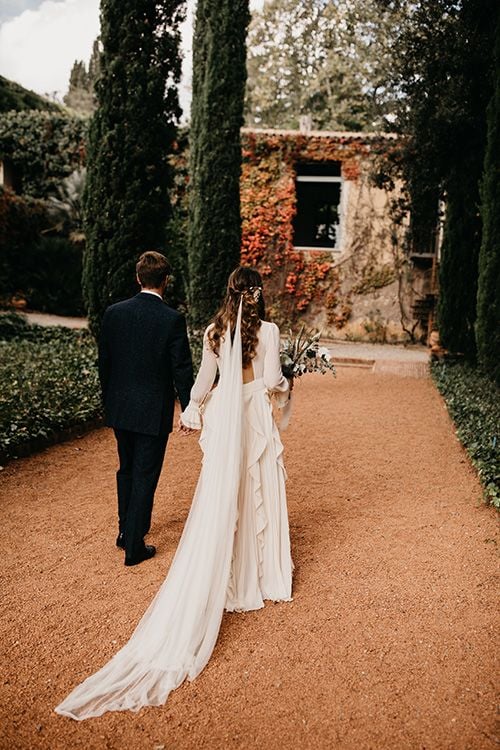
317,221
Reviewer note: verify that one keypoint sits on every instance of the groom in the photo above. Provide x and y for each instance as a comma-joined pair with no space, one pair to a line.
144,358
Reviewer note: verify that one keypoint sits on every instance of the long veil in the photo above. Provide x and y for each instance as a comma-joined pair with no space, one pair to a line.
177,634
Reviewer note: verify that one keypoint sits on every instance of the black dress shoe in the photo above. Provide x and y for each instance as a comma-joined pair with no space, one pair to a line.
148,552
120,540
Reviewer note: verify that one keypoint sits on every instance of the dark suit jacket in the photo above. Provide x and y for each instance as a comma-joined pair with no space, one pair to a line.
144,357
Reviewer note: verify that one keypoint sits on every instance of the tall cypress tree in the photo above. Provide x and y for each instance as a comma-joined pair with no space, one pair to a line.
472,42
459,257
488,296
443,61
219,77
126,199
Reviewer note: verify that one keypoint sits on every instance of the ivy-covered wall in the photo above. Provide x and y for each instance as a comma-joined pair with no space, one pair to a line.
353,291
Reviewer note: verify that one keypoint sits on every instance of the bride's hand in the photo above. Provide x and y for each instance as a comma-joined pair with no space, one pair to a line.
183,430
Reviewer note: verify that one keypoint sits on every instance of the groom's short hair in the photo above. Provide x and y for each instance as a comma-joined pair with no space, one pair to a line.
152,269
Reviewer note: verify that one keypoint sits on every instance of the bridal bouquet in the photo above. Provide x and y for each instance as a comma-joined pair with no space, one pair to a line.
302,353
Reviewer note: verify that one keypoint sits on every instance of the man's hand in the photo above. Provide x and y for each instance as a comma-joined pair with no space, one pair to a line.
183,430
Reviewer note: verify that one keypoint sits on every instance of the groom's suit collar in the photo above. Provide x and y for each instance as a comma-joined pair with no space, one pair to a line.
150,297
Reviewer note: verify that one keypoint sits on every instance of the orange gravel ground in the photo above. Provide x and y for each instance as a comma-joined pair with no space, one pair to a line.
390,639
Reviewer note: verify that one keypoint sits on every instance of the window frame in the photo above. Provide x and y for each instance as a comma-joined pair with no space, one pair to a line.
311,178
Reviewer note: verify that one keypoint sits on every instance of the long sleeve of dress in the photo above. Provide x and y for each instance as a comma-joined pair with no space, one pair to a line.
274,380
204,381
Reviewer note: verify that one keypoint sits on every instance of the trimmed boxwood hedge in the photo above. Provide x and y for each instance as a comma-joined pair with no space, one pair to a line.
473,401
48,383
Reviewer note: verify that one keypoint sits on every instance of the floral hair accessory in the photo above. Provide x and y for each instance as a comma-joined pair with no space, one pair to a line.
256,292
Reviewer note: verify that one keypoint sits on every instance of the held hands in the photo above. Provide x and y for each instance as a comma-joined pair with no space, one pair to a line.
183,430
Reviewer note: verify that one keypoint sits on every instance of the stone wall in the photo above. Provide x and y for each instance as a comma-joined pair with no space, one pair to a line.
362,289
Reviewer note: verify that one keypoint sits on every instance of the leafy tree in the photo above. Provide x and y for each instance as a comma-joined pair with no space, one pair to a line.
325,60
82,82
443,59
473,74
80,96
219,75
128,172
488,298
94,69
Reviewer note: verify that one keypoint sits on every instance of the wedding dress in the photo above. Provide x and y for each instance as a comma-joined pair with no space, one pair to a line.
234,551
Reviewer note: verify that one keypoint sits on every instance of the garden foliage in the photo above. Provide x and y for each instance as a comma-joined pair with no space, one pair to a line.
14,97
48,382
327,61
443,63
43,148
42,269
131,135
488,298
219,75
473,401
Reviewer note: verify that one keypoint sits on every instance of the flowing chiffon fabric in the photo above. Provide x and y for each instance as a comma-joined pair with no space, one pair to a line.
234,552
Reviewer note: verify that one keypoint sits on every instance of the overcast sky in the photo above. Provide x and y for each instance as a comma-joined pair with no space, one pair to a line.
40,40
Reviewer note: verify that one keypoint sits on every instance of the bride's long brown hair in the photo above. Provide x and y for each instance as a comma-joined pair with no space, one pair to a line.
244,284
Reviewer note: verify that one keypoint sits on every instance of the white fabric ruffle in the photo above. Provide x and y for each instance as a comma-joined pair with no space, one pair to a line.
191,416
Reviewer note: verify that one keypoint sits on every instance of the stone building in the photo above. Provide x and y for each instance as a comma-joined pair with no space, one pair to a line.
324,235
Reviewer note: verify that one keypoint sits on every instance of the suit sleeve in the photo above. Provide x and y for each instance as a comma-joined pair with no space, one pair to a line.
182,364
103,361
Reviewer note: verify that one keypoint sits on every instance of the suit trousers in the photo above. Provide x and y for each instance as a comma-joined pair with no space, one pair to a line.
141,460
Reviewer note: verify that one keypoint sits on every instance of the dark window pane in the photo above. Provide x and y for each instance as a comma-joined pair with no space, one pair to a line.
316,221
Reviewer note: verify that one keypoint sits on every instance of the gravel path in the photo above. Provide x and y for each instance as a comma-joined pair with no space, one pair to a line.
389,643
46,319
389,352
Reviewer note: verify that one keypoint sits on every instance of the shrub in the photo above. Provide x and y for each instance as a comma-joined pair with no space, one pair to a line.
14,326
473,401
45,270
42,148
16,97
53,282
21,221
48,382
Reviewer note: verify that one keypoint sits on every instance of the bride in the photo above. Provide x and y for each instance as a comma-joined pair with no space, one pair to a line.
235,550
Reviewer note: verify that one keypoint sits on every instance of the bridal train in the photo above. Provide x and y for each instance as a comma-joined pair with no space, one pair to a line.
234,552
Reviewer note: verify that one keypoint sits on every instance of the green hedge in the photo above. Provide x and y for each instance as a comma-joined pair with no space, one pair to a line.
473,401
14,97
43,148
48,383
45,270
53,282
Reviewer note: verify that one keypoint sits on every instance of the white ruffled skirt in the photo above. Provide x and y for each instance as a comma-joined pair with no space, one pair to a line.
261,566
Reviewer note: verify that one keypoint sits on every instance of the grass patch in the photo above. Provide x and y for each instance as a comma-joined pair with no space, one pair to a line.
473,401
